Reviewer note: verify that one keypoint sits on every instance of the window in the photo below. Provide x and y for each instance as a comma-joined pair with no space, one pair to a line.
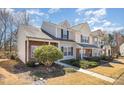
95,41
32,50
67,51
84,39
64,34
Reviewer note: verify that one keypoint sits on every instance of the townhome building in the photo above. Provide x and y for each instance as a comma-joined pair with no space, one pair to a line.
76,42
100,38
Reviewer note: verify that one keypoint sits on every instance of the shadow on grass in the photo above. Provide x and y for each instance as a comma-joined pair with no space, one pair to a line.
114,61
106,65
117,62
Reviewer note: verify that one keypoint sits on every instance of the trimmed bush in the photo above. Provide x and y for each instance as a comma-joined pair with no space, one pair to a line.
97,59
88,64
81,63
48,54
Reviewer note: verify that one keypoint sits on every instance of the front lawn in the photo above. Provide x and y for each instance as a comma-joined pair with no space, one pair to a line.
81,63
112,69
76,78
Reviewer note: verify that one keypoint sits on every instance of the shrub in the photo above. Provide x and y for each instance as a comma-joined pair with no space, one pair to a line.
69,70
103,57
82,63
31,63
47,54
73,62
88,64
93,64
97,59
107,58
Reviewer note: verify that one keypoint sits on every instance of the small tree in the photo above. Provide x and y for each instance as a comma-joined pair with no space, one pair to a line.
48,54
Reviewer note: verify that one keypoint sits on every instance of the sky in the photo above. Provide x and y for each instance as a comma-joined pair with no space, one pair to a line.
108,19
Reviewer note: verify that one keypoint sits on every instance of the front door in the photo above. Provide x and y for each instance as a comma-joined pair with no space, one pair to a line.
88,52
78,53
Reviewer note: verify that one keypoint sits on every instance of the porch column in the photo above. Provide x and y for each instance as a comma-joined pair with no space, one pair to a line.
27,50
49,43
81,53
59,45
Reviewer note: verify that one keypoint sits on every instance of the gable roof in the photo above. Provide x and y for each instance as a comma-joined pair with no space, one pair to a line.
53,37
78,27
31,31
65,23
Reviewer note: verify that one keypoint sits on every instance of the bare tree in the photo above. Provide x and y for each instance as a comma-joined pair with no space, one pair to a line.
9,25
4,17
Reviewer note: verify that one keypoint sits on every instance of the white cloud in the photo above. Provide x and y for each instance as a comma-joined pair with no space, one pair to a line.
35,12
97,16
97,20
106,23
80,10
76,20
96,13
53,10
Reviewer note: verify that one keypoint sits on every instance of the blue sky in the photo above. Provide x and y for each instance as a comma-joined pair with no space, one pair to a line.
108,19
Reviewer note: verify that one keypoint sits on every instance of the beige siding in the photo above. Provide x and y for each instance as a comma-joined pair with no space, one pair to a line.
78,37
21,44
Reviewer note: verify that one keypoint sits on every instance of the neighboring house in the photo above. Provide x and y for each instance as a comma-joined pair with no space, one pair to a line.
75,42
100,38
119,40
122,49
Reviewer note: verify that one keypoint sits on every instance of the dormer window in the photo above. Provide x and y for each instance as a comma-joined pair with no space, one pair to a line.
64,34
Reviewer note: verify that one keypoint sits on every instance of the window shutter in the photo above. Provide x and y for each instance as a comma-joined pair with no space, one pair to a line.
62,49
72,51
81,38
61,33
67,34
88,39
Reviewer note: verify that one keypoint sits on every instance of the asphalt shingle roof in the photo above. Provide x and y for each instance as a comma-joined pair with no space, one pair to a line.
87,45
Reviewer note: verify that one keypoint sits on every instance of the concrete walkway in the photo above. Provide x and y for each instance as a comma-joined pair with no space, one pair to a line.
111,80
3,60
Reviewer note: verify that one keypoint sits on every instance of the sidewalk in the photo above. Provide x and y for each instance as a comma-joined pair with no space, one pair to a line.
111,80
3,60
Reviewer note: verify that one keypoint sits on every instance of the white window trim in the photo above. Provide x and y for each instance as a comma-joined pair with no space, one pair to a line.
33,46
67,51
